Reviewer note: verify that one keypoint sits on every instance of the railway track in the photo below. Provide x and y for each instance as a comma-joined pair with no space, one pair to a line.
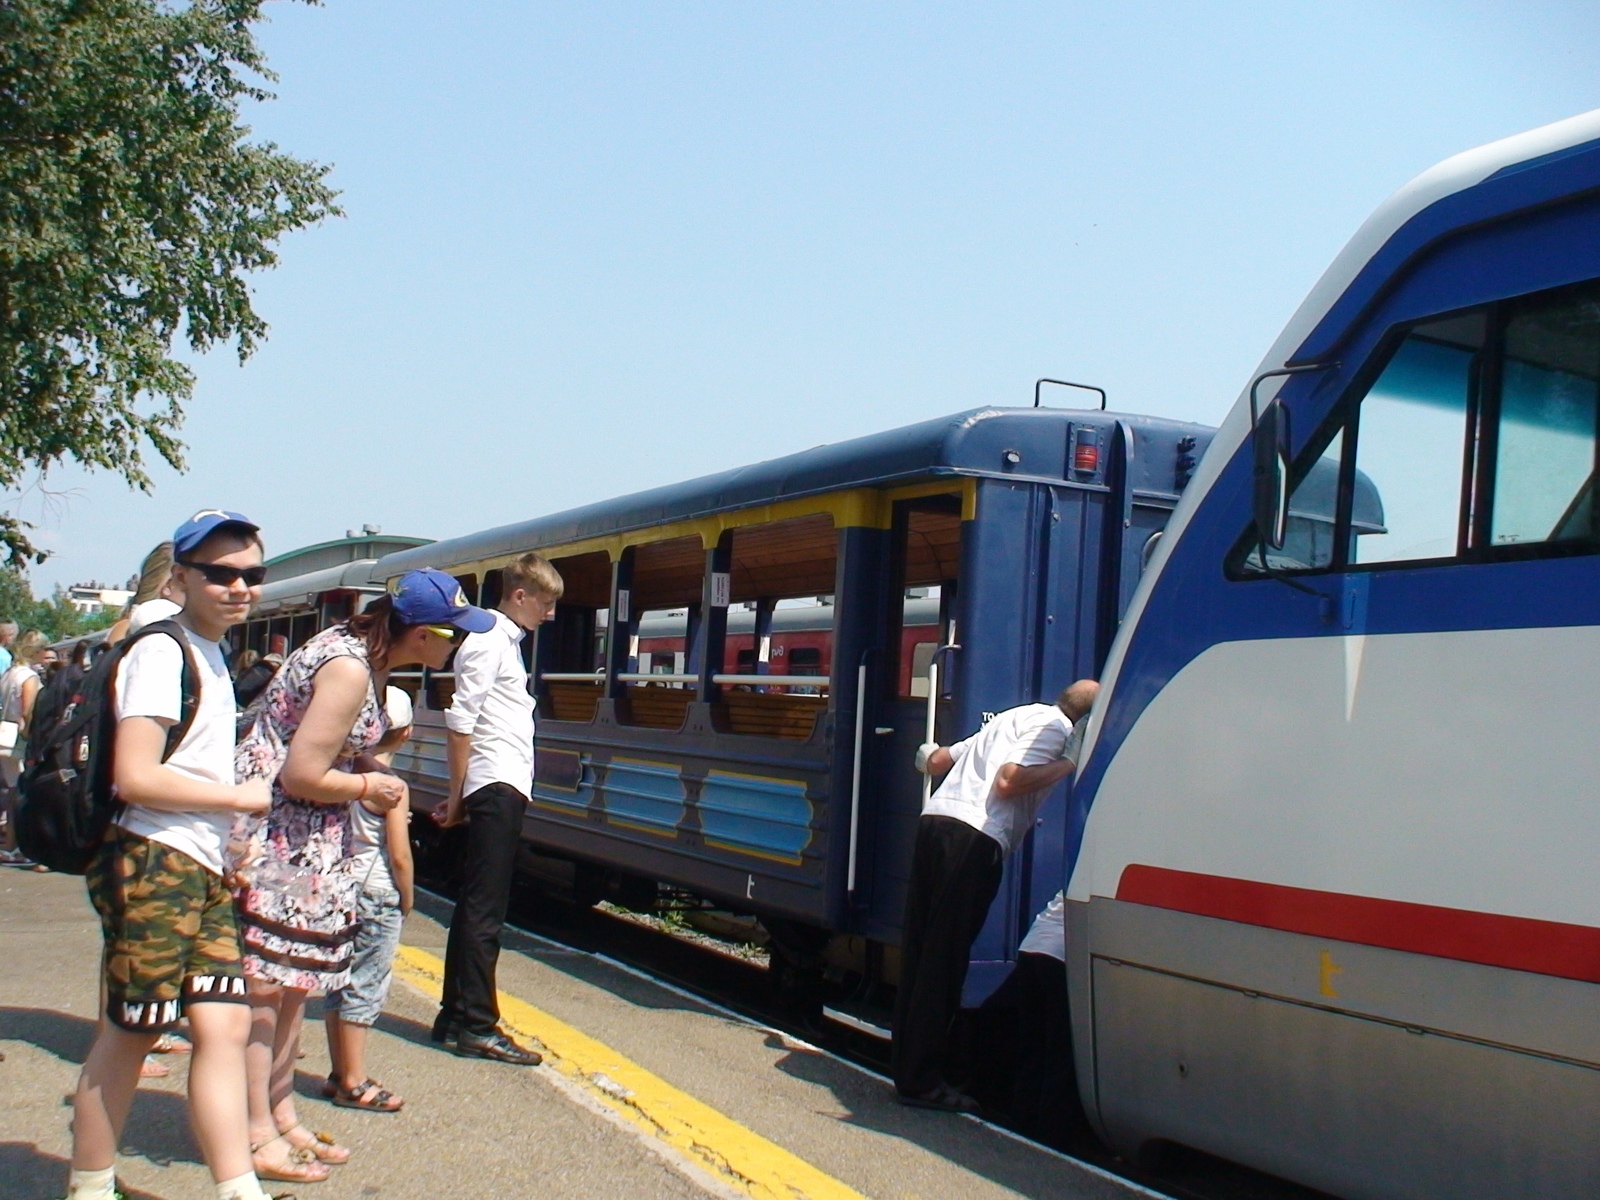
697,966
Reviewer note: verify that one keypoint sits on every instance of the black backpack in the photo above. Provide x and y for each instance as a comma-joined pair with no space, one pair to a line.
67,798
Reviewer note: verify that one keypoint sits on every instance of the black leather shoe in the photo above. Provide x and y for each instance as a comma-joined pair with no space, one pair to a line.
444,1032
496,1047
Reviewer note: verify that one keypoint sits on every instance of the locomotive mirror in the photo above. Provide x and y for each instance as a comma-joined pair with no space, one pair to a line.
1272,475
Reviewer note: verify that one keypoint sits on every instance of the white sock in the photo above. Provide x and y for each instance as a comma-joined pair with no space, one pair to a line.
241,1187
92,1185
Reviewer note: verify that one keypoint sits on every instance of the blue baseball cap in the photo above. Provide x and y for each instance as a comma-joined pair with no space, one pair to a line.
429,597
206,522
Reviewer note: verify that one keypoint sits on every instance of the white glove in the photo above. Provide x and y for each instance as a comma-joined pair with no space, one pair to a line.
924,753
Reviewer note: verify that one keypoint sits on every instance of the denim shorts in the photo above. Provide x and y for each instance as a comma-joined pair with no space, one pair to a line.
371,968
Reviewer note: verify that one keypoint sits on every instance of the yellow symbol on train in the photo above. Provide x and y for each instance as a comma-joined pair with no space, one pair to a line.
1329,970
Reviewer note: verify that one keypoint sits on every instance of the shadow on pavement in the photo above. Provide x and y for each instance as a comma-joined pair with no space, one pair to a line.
869,1103
158,1125
31,1174
58,1033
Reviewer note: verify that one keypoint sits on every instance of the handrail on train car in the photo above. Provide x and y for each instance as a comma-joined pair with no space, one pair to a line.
646,677
816,681
933,707
855,773
573,676
1088,387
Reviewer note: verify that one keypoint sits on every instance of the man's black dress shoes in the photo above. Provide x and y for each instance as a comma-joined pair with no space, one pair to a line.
444,1032
496,1047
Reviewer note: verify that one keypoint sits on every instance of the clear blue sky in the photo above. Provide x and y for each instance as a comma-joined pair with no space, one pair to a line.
596,247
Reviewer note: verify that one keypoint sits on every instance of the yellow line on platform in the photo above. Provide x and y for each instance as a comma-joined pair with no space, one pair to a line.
707,1138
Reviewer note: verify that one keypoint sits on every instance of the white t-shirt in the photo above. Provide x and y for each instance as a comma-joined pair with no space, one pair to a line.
370,837
150,684
1028,735
1048,934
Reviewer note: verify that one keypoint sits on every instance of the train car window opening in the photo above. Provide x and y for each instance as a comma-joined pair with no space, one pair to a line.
469,585
571,644
664,603
927,552
493,588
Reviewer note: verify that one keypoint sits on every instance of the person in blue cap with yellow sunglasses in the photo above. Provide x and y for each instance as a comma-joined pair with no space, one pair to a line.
312,732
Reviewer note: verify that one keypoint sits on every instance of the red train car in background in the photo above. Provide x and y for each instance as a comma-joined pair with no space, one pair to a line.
800,642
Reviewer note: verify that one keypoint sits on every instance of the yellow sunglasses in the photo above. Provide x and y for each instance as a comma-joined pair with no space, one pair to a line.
448,632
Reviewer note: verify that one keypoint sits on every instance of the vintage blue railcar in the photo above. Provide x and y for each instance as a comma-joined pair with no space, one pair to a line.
793,797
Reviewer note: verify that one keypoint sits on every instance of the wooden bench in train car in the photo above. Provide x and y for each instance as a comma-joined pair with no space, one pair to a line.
572,701
769,714
656,707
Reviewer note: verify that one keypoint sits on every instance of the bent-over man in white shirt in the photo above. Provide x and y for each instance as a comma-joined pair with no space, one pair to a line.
994,783
490,729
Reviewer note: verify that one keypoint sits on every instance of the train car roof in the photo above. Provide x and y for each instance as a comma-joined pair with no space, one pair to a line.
298,589
970,443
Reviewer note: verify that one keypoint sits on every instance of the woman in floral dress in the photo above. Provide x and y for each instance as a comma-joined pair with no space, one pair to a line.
311,731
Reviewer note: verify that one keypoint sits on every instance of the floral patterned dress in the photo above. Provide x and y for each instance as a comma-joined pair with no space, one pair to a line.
297,907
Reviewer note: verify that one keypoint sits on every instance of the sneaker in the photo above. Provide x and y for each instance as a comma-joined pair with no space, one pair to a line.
15,858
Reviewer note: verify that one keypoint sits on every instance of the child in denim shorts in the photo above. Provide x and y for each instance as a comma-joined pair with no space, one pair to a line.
383,863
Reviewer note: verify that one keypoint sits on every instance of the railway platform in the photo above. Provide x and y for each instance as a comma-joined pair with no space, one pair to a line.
645,1092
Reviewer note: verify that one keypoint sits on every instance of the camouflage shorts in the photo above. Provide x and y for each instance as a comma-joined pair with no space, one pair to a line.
169,932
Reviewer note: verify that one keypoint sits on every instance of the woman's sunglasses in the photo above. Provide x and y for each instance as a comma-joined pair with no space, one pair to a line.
225,576
448,632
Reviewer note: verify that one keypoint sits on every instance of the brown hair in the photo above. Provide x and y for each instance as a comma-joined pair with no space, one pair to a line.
532,573
379,626
1076,699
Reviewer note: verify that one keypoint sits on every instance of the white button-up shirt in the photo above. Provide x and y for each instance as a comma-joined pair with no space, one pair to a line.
493,707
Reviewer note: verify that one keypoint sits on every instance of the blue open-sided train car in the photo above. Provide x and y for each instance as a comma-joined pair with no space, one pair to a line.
793,797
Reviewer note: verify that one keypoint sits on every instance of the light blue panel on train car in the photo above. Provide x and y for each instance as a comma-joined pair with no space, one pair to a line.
756,815
644,795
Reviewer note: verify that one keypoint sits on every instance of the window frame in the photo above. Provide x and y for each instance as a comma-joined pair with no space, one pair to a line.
1479,452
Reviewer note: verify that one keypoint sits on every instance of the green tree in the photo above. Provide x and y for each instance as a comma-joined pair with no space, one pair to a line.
132,203
56,618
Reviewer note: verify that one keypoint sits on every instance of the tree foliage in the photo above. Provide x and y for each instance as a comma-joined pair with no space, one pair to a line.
55,617
132,202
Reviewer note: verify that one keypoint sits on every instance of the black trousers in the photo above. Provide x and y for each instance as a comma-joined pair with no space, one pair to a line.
955,873
1045,1100
494,828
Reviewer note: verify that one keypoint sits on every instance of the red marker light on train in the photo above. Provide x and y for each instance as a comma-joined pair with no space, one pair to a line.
1086,458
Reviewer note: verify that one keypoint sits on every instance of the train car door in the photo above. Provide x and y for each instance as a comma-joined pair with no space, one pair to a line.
924,581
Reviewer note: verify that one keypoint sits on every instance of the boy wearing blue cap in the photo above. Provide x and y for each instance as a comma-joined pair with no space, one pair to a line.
172,946
490,729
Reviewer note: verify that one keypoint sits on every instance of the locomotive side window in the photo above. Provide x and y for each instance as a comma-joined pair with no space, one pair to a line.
1544,458
1412,431
1478,439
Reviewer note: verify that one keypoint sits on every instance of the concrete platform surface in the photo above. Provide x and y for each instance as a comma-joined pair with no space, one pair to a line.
646,1092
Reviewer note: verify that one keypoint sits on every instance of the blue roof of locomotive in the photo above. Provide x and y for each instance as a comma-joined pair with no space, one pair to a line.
968,443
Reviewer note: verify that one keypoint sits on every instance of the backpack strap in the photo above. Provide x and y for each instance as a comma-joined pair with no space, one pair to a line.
189,682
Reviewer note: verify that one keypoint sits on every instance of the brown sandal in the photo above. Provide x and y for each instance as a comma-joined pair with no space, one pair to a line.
301,1166
370,1096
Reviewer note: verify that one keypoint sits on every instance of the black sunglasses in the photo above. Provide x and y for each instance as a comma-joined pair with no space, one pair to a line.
225,576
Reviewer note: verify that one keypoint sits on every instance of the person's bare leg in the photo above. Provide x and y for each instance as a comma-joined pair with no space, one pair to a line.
285,1050
351,1065
258,1059
274,1153
106,1086
218,1087
336,1056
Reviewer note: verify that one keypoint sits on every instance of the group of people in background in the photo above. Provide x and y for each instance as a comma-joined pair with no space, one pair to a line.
260,854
